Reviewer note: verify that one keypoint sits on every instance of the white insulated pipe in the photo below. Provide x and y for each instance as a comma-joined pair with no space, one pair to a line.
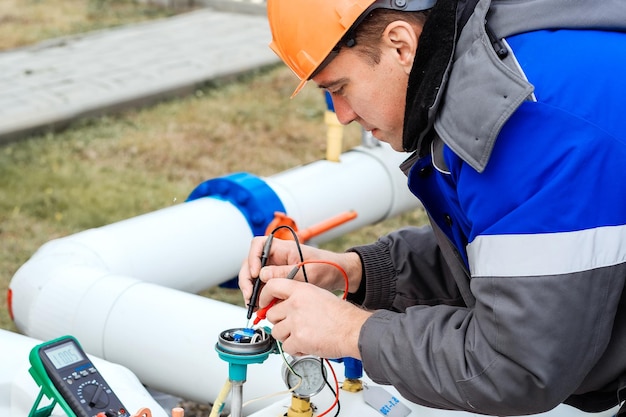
125,290
366,180
201,243
165,336
189,246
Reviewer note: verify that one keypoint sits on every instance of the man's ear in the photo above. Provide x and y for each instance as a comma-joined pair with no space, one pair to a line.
403,37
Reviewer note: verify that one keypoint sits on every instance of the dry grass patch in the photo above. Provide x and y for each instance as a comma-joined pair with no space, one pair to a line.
24,22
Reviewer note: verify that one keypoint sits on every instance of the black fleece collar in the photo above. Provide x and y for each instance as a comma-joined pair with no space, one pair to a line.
431,66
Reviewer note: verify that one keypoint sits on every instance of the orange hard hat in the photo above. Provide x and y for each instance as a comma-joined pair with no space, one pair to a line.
305,32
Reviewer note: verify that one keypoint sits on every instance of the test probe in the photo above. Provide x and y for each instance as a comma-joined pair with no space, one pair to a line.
257,283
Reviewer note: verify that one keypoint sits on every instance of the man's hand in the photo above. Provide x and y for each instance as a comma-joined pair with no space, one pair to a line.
284,256
310,320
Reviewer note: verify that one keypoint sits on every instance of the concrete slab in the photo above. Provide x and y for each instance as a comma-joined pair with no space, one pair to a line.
55,82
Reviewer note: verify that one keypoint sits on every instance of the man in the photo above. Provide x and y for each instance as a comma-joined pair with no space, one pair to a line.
512,301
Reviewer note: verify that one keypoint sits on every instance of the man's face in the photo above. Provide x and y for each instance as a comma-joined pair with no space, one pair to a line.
372,95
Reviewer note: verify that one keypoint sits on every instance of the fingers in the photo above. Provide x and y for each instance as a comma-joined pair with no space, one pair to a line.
281,256
276,271
245,282
254,255
250,267
279,289
305,318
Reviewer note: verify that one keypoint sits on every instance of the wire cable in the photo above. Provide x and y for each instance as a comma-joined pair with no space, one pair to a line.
336,391
218,404
336,265
298,246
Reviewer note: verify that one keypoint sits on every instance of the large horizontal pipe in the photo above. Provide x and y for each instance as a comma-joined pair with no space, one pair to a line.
125,290
201,243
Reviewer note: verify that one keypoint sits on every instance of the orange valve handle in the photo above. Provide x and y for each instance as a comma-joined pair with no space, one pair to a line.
326,225
281,219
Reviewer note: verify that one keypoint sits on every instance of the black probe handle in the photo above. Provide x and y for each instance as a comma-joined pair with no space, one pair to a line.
257,284
254,298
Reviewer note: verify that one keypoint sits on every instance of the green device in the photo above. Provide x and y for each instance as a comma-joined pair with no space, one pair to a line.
67,377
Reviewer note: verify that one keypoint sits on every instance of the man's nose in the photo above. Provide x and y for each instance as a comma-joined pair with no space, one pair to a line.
344,111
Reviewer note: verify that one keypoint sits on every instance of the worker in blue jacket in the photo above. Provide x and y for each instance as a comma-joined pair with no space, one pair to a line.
513,115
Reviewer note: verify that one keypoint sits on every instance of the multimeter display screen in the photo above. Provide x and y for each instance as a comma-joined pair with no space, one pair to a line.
64,355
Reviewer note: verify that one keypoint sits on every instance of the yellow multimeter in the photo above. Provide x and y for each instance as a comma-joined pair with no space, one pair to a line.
67,376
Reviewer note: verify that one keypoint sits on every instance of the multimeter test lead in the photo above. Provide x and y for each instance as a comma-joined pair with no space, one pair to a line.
257,284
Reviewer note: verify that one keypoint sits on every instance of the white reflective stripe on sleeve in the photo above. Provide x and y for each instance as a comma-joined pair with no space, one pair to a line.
546,254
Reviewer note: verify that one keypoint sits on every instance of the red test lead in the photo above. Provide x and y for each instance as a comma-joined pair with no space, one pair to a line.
262,313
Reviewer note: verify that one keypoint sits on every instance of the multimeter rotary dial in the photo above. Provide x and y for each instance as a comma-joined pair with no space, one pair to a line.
93,394
308,368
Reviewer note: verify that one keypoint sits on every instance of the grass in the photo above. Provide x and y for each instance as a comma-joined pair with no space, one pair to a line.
104,170
24,22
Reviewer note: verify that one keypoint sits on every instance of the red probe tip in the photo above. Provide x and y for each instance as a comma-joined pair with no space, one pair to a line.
262,313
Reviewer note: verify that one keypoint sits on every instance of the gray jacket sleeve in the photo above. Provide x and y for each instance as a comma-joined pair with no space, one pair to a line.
394,287
526,345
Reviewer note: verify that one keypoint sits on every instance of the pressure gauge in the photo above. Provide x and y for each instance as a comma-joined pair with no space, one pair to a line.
308,368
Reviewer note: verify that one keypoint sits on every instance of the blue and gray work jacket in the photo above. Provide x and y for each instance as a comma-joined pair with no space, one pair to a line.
512,301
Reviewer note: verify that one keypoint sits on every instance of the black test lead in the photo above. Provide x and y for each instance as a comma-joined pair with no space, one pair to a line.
257,284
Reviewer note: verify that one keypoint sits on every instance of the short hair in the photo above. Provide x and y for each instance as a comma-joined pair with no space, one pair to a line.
369,33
